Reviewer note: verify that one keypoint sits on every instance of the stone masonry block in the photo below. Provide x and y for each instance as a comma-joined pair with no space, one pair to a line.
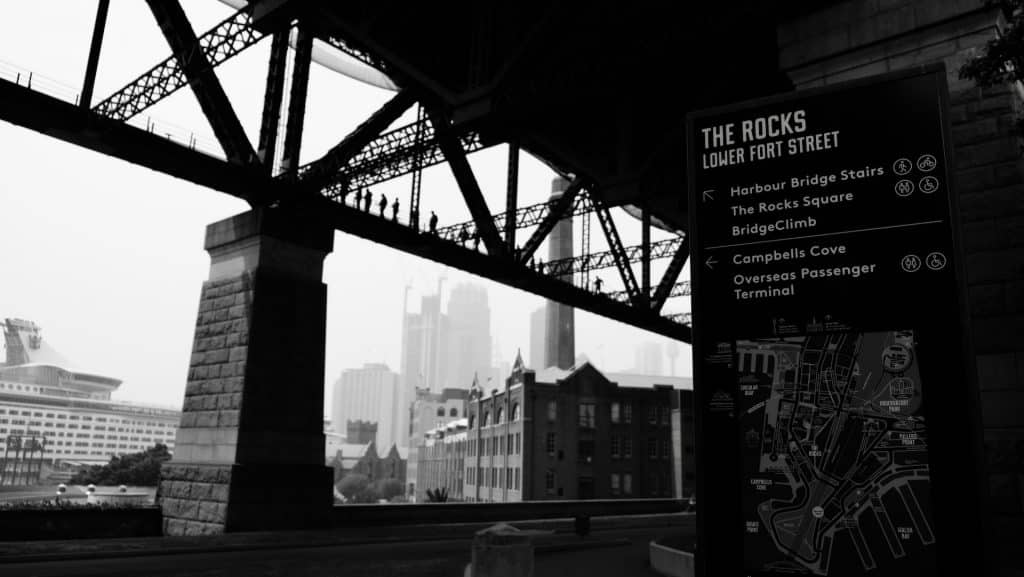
1015,296
174,526
979,236
227,418
213,387
212,512
976,131
206,419
1010,230
232,340
991,203
998,371
209,402
1002,409
995,266
238,312
999,335
217,356
993,151
895,21
219,493
986,299
238,354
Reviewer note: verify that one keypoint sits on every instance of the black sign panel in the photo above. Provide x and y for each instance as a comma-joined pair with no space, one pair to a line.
836,413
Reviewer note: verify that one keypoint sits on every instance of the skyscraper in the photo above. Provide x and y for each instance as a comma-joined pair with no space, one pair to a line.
371,393
442,350
424,346
469,335
648,359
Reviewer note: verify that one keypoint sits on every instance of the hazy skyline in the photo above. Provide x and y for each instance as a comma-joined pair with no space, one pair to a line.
107,257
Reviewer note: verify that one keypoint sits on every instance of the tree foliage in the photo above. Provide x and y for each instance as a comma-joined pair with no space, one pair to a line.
1002,59
437,495
360,489
138,469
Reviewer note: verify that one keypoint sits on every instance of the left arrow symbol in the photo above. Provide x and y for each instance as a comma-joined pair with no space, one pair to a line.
710,261
709,194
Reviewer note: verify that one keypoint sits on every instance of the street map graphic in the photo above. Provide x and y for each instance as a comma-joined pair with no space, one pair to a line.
835,462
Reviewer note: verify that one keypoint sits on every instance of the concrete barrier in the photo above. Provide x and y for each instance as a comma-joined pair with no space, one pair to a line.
671,562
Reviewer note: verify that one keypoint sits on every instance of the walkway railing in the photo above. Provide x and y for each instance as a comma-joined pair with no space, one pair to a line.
63,91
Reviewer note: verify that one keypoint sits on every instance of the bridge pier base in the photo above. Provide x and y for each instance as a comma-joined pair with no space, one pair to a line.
249,453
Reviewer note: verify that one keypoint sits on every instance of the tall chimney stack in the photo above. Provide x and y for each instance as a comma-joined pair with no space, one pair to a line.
560,327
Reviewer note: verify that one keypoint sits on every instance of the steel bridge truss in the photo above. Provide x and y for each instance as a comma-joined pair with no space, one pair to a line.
370,155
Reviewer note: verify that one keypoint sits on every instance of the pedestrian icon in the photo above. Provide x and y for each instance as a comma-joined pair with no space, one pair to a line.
926,163
902,166
904,187
911,263
929,184
935,261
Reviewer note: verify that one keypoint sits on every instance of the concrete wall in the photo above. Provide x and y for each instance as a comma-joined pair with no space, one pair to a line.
867,37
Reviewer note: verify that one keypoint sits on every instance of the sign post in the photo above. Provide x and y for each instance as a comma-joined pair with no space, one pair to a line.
837,415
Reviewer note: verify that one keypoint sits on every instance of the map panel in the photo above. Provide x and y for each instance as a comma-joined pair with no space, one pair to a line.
835,455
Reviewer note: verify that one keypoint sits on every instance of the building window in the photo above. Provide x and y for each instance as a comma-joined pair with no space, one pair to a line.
627,413
627,483
508,478
501,415
652,415
509,451
519,446
586,415
515,412
616,412
549,443
615,483
552,411
666,449
549,481
518,478
627,447
585,450
487,415
472,420
440,411
453,412
615,447
653,489
652,448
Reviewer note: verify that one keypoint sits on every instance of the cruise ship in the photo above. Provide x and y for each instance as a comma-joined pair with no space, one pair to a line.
55,416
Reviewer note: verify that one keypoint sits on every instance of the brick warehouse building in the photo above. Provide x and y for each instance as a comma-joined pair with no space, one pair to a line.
579,437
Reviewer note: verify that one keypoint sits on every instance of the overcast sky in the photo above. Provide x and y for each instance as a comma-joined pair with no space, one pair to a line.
107,257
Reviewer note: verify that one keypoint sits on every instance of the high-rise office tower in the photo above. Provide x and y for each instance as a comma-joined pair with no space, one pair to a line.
469,335
372,393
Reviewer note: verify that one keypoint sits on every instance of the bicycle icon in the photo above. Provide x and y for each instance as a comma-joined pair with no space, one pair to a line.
927,163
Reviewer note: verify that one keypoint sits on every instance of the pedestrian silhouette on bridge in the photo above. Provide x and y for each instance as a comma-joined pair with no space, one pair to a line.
463,235
394,210
476,241
382,204
359,198
367,200
597,284
433,223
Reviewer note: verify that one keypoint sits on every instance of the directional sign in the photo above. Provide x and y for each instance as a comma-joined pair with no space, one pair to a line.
831,276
